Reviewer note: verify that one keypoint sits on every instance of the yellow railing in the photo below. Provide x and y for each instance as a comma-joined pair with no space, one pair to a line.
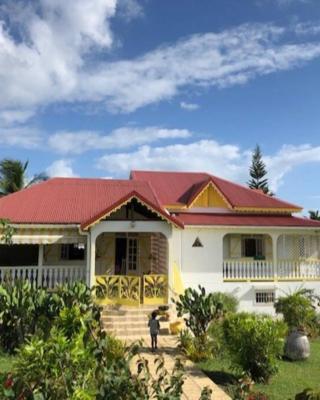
155,289
118,289
132,290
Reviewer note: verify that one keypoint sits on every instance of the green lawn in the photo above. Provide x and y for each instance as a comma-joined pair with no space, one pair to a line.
292,377
5,362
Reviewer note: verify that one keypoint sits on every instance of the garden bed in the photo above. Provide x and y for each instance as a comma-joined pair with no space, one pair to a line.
291,379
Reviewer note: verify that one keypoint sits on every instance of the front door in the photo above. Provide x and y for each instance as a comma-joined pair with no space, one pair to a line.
126,257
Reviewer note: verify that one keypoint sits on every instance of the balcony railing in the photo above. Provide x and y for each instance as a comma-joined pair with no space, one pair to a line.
265,270
47,276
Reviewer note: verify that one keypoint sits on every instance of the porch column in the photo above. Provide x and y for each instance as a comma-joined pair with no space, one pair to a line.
92,267
40,265
88,260
275,237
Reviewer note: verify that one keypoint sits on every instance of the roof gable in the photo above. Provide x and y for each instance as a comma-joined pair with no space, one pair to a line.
76,201
180,188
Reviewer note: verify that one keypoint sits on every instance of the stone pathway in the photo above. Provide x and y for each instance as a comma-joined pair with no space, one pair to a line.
195,380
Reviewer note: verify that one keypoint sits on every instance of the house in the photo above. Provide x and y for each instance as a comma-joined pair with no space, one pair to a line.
143,239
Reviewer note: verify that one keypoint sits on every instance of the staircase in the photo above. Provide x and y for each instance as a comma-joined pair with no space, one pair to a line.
130,323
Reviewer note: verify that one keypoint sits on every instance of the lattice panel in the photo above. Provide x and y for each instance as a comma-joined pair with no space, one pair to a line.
293,247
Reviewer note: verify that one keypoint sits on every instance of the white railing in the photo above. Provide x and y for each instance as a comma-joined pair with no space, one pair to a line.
46,276
264,270
299,269
247,269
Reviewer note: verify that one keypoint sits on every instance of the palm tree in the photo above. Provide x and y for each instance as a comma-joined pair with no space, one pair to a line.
314,215
13,176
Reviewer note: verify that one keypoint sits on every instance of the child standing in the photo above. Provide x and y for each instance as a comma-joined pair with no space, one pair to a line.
154,326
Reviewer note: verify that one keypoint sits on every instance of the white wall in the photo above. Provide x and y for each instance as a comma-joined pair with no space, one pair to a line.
203,266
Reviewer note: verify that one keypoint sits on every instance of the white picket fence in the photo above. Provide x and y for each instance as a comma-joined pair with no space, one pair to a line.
46,276
265,270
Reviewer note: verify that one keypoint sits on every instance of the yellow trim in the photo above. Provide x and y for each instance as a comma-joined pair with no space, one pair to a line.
268,210
208,185
178,286
126,202
175,206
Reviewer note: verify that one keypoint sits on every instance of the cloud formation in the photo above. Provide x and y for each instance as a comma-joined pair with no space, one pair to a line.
224,160
58,51
121,138
189,106
61,168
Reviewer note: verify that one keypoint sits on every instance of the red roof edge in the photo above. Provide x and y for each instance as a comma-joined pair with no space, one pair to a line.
134,193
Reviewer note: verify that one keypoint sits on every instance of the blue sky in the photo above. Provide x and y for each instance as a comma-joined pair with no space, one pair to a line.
96,88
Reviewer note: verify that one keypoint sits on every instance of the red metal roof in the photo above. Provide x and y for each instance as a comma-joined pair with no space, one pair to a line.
182,187
74,200
84,201
246,220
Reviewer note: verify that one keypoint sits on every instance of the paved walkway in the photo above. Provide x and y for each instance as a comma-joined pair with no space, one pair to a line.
195,380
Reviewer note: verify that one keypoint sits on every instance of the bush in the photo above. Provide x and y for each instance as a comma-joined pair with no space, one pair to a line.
26,310
193,347
254,343
298,310
308,394
200,308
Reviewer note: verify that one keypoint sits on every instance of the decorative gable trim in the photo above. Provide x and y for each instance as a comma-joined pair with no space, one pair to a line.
202,190
125,200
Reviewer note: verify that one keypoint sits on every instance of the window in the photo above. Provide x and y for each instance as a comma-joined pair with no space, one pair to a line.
73,251
265,297
253,247
132,254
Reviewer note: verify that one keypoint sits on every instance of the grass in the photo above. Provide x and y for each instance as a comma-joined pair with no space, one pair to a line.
6,362
292,378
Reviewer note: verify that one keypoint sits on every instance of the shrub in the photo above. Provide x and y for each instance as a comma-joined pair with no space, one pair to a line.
200,308
298,309
26,310
193,347
23,310
308,394
254,343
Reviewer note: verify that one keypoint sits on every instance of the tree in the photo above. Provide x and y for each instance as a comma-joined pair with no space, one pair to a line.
13,176
258,172
314,215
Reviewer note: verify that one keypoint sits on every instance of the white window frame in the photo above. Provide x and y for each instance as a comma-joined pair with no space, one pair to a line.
265,292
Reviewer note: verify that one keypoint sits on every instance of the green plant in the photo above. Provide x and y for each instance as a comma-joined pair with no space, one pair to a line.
308,394
200,309
254,343
6,230
298,309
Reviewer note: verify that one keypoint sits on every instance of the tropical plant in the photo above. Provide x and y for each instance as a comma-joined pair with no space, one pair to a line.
6,230
200,309
258,172
26,310
314,214
298,309
254,343
13,176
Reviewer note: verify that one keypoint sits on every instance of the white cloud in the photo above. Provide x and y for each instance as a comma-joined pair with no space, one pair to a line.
10,117
204,155
121,138
225,160
189,106
25,137
287,158
61,55
129,9
61,168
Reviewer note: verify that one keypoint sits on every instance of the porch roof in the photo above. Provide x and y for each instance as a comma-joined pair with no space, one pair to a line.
247,220
76,201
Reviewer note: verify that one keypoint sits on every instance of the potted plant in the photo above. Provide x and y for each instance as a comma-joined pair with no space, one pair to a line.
298,312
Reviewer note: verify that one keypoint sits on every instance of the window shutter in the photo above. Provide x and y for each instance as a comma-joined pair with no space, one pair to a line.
235,246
